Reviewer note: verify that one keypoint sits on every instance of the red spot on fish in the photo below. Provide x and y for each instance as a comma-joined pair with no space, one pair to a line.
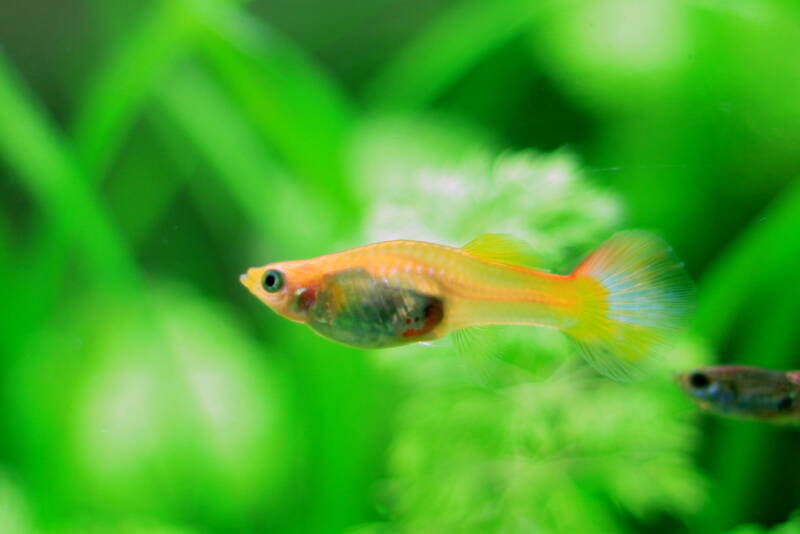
307,298
794,377
433,316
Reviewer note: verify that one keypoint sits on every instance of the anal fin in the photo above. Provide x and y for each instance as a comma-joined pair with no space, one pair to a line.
478,346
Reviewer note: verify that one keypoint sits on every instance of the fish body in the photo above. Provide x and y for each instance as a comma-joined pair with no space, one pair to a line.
745,392
617,304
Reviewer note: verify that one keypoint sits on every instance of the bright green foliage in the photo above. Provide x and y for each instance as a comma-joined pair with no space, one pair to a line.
147,410
150,152
444,184
790,527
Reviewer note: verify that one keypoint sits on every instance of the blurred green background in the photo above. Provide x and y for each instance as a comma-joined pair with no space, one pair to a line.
151,151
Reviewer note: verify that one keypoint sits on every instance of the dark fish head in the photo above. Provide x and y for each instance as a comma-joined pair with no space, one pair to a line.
741,391
709,388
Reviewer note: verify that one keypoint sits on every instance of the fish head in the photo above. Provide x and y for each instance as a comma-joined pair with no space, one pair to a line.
285,287
709,388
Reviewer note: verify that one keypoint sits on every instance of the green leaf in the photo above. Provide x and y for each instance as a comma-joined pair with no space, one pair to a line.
39,155
258,184
292,104
443,52
792,526
124,83
760,256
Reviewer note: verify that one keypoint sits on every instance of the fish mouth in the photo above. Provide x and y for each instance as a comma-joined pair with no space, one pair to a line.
251,279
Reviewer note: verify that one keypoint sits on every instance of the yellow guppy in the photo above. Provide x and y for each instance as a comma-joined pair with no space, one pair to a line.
621,302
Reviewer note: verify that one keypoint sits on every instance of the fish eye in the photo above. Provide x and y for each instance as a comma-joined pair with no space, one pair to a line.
699,380
785,404
273,281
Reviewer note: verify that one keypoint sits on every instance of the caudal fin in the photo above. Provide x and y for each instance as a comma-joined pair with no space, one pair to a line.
637,295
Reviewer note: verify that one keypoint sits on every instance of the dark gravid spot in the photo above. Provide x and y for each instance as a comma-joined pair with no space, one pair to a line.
356,309
432,316
305,298
699,380
785,404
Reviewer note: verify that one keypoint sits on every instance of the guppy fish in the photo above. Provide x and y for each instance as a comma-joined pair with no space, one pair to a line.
745,392
618,305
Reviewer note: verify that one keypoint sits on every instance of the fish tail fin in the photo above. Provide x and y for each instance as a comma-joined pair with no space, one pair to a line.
636,295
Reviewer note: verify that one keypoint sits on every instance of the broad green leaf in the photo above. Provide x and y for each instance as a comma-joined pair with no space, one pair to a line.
259,186
40,157
125,82
761,255
436,58
292,104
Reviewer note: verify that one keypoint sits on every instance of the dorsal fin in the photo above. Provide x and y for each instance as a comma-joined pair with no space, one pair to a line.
502,248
